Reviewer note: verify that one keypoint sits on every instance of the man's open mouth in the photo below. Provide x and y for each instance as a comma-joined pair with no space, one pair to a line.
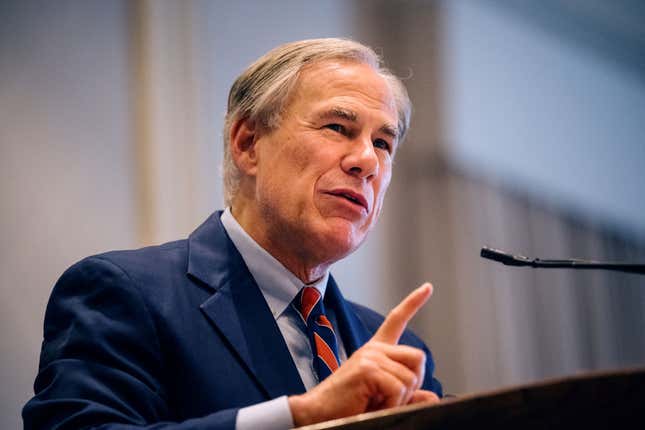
355,198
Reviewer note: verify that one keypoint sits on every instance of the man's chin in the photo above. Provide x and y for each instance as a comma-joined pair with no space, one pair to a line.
342,238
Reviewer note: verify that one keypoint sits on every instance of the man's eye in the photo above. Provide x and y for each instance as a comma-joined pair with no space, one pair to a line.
382,144
336,127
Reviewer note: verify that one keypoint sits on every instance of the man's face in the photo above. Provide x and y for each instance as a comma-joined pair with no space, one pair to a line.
323,172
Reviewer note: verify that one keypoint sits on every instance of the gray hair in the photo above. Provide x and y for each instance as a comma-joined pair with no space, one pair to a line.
261,92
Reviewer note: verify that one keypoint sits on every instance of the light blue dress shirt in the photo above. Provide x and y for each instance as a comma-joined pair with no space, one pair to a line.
279,287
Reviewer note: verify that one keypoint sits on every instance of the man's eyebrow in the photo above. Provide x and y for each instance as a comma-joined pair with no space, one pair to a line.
350,115
337,112
390,130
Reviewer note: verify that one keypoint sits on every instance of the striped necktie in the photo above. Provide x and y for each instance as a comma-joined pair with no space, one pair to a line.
321,334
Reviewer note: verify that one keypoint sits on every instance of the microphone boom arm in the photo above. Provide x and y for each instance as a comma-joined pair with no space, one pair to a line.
519,260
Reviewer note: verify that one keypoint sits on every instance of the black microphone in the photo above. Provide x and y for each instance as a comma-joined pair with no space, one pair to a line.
520,260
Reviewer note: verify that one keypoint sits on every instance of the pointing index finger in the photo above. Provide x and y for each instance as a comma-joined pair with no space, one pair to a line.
396,321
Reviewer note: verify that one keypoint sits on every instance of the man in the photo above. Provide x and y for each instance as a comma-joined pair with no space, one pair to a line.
240,325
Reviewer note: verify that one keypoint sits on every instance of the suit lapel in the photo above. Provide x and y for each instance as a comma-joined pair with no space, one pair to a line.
238,311
352,329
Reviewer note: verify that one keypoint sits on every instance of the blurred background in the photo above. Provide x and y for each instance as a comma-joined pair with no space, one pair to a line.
528,135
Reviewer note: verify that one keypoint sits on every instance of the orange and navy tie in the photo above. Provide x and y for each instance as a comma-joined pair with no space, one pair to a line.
309,305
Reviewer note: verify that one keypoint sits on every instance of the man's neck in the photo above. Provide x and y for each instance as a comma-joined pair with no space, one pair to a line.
287,253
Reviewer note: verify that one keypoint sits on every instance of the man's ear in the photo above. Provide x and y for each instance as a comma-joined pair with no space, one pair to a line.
242,145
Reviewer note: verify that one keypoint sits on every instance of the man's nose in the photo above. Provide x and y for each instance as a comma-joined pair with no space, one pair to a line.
361,160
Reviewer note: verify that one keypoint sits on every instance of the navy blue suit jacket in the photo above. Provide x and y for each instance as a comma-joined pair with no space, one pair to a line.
178,335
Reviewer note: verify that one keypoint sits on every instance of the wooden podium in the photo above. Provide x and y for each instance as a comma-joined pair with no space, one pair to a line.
599,400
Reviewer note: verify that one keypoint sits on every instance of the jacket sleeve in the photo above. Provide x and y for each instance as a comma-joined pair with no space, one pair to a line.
100,364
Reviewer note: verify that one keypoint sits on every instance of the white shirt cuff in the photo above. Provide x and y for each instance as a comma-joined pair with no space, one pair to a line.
271,415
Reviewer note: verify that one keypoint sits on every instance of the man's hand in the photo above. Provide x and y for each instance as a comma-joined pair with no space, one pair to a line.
381,374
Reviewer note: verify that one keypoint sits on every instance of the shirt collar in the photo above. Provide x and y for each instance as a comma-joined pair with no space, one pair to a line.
278,284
